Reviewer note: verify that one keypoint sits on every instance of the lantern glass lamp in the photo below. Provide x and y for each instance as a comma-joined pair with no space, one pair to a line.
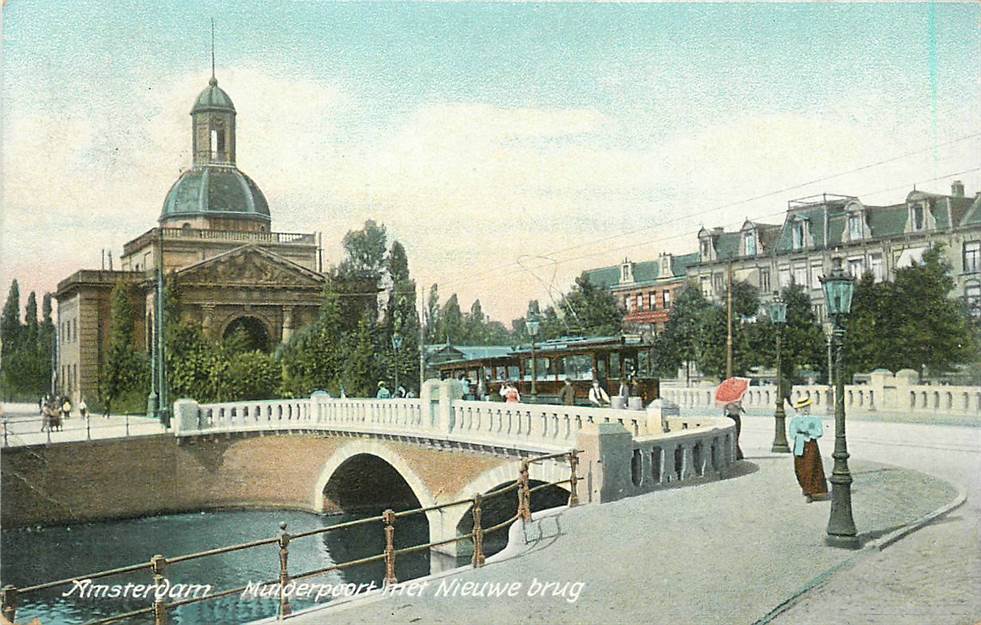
838,290
532,325
778,310
396,342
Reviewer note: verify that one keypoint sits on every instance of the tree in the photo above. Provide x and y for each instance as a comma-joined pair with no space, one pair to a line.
802,341
922,293
359,374
679,344
250,375
403,319
451,324
312,360
125,374
10,334
432,316
589,310
358,277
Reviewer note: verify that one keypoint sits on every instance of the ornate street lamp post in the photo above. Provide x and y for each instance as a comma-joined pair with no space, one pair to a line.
532,325
838,289
778,315
396,345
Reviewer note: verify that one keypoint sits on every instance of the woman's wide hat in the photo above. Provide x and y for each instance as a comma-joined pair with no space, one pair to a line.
803,403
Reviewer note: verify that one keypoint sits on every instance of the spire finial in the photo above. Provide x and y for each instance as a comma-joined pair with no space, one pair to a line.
213,81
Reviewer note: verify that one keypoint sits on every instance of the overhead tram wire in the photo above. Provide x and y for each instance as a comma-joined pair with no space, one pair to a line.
734,203
757,218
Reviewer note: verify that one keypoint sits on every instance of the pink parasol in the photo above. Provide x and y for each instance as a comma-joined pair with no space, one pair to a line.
731,391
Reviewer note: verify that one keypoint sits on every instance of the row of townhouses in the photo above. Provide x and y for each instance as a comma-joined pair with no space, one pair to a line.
876,239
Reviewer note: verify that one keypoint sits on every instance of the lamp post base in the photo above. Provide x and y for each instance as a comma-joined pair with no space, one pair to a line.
780,445
842,542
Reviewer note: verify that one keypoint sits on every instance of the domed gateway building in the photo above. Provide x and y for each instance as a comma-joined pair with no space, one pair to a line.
215,235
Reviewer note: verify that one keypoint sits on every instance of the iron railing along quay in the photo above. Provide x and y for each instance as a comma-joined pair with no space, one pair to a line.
11,596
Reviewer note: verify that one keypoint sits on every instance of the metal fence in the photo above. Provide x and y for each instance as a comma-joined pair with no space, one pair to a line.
11,597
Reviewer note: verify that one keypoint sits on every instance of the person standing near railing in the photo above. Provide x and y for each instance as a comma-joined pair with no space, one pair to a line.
598,396
733,410
383,392
567,396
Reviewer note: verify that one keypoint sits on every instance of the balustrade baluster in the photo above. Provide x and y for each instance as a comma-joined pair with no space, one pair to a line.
8,601
573,458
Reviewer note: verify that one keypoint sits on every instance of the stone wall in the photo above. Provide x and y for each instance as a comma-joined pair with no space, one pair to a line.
135,477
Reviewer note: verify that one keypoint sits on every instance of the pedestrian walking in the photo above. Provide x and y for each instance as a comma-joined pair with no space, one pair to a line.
805,429
567,396
734,410
66,409
83,410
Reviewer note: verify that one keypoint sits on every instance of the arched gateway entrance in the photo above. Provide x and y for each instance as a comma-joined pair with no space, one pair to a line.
251,331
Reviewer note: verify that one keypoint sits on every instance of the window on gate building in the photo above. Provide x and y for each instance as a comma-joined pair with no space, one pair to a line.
972,256
854,227
816,271
784,277
875,266
798,235
765,280
856,267
800,275
706,287
667,299
653,297
750,243
640,301
972,297
626,302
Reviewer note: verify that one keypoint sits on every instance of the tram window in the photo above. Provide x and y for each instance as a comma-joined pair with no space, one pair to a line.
644,359
579,367
615,364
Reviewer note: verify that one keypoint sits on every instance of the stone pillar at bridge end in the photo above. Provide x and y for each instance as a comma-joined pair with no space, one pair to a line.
604,464
185,416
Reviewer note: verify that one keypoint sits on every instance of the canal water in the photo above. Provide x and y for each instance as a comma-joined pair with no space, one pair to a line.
44,554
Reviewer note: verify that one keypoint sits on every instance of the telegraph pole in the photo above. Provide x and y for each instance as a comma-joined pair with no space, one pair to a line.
422,340
729,321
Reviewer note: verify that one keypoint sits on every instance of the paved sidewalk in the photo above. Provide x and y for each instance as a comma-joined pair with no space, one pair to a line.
21,425
723,553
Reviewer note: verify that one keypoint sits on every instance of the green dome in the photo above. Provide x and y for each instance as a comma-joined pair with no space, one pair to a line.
214,191
213,98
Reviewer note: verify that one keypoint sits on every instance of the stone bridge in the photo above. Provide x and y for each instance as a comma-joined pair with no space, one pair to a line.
326,455
442,448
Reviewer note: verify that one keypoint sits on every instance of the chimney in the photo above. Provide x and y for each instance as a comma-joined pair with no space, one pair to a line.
957,188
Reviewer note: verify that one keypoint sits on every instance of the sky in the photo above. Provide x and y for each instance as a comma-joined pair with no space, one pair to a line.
507,146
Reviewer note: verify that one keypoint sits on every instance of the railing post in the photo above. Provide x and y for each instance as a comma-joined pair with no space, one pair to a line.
158,563
127,425
88,431
524,496
9,602
573,457
49,433
389,518
6,425
478,534
284,576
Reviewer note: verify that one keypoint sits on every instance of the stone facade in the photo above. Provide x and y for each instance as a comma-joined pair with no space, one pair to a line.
646,290
876,239
214,237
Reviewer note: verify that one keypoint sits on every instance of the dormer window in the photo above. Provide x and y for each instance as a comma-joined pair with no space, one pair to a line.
706,249
749,243
798,234
626,272
855,226
917,215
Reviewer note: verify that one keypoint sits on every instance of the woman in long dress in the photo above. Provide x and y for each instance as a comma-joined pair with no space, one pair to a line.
805,429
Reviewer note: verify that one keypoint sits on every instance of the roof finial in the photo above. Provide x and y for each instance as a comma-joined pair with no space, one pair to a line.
213,81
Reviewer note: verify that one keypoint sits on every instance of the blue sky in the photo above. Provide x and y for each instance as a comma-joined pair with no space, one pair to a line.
517,129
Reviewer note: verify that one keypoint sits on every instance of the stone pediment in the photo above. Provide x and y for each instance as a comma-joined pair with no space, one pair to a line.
250,266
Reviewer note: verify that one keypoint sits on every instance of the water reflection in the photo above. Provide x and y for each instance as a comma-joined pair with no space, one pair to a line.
34,556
